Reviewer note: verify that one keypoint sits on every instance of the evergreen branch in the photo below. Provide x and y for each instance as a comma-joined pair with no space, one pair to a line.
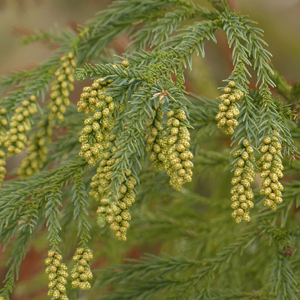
291,196
131,139
18,254
19,220
252,45
284,283
192,40
53,202
13,196
14,98
155,33
212,159
229,294
119,17
109,71
139,87
59,37
150,276
237,37
248,44
282,238
25,225
220,5
32,82
80,203
45,180
15,78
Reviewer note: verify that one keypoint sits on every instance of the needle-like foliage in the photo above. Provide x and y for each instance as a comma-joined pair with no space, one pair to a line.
143,157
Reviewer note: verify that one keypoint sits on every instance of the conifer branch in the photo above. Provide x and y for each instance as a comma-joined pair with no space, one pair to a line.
284,283
54,201
80,212
140,105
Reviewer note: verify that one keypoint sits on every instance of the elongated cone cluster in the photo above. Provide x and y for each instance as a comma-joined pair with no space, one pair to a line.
61,87
16,139
3,117
37,150
102,179
244,174
178,164
81,272
271,165
94,137
156,140
115,213
2,164
92,95
228,110
170,148
3,124
57,276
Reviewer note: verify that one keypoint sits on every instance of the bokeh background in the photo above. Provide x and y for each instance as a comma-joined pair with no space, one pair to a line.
19,18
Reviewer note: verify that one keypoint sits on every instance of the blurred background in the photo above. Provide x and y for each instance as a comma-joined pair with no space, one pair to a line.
19,18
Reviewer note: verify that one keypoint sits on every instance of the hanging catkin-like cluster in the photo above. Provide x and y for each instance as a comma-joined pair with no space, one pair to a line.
228,111
156,140
113,212
16,139
101,180
244,174
81,272
178,165
94,137
116,213
57,276
170,148
3,124
60,91
37,150
271,166
61,87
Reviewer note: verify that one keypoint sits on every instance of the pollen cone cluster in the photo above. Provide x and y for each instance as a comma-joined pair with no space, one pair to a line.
16,139
113,212
242,194
228,111
37,150
157,141
81,272
102,179
178,164
93,96
57,276
61,87
3,124
94,137
2,164
271,166
3,118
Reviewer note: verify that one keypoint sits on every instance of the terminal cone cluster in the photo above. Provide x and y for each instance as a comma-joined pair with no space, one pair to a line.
16,139
81,272
169,149
156,140
244,174
37,150
94,137
115,213
271,170
57,276
228,111
61,87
